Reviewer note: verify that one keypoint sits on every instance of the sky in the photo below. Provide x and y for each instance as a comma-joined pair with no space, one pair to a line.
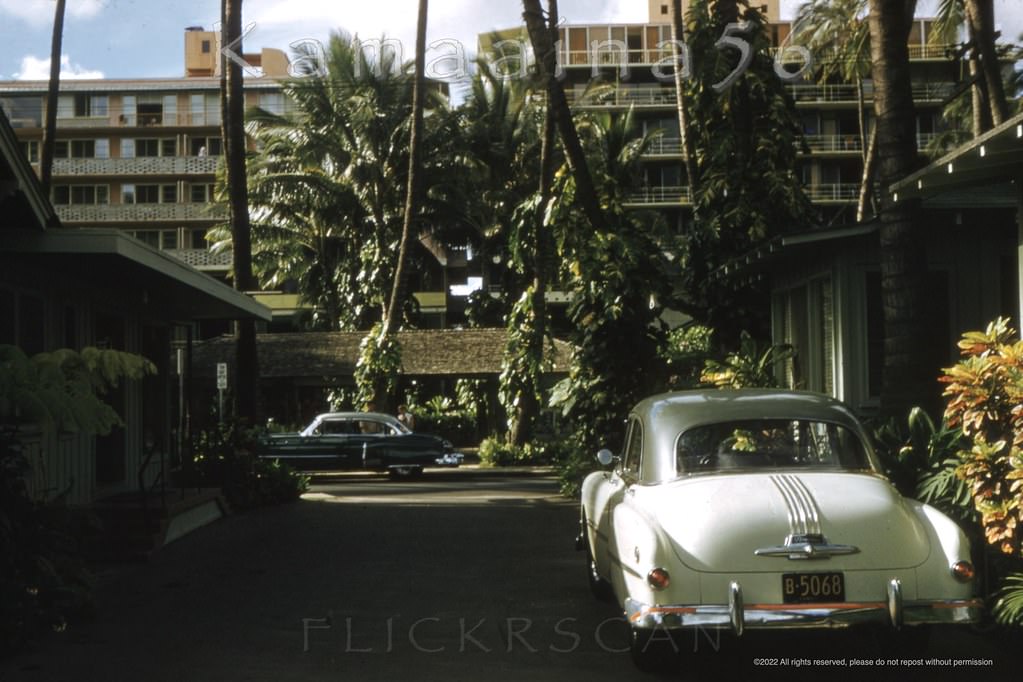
144,38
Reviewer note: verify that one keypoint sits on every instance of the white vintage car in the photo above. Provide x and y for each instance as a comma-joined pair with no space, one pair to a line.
759,509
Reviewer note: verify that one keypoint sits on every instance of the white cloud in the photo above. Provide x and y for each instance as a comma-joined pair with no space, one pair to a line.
35,69
40,12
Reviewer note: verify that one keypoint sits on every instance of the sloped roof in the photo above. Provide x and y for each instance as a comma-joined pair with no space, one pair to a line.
425,352
22,202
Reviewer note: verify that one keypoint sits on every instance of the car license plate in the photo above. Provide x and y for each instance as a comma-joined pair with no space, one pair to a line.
799,588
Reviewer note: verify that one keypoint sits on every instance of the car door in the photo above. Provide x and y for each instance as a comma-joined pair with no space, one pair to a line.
611,495
622,516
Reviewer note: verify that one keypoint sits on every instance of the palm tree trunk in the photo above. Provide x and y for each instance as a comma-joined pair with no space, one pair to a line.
527,408
981,15
52,96
869,171
543,48
908,381
677,43
981,114
395,309
246,379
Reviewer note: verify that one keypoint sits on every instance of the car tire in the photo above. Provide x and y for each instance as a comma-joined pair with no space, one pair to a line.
652,650
405,474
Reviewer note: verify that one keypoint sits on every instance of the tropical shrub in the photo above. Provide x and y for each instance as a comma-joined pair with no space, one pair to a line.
985,400
44,584
224,456
749,367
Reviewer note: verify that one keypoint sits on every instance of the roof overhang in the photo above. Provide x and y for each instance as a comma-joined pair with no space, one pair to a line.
22,200
993,160
108,257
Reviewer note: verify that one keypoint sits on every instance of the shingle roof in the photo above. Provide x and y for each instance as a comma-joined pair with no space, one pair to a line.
427,352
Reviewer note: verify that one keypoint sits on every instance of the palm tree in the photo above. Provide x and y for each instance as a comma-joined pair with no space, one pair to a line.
907,378
233,121
678,38
412,201
837,30
543,48
52,96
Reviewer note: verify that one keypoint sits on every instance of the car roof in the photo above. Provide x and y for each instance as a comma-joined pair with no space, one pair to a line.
667,415
355,415
685,409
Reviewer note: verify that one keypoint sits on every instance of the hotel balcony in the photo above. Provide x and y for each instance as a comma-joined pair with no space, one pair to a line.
142,165
659,195
842,144
845,93
835,193
623,96
155,120
662,196
124,215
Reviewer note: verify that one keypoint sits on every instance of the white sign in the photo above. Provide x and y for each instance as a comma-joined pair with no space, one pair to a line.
221,375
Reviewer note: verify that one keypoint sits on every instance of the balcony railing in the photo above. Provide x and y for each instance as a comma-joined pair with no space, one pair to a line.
660,194
203,259
664,146
176,119
136,214
628,95
838,192
142,165
922,92
834,143
679,195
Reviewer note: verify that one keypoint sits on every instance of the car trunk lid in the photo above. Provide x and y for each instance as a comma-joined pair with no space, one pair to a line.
747,522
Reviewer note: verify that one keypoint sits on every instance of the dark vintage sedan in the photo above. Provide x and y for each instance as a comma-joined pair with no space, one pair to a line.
359,440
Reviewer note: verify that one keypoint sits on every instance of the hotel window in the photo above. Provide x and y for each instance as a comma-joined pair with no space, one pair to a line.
205,146
806,320
75,149
30,148
198,237
23,112
158,239
272,102
154,147
200,193
148,194
204,109
74,195
82,106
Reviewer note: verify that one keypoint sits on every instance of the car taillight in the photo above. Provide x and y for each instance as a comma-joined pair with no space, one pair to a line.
963,571
658,579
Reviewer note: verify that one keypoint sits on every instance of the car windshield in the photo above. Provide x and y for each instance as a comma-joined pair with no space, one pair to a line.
777,443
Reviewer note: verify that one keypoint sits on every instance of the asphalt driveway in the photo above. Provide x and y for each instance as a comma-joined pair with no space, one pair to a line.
461,575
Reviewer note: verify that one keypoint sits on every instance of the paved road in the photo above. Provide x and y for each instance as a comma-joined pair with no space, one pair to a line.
458,576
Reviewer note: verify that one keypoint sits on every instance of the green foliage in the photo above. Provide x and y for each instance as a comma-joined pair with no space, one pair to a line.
225,456
496,452
376,373
985,400
63,389
747,189
749,367
524,363
44,584
921,459
327,182
1008,608
43,581
450,419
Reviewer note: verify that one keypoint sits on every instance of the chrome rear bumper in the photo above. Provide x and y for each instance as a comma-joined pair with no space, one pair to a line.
738,616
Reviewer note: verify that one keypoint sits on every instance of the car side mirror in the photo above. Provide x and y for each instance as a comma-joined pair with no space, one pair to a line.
605,457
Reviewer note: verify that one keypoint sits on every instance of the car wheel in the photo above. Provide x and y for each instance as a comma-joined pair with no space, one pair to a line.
652,650
405,473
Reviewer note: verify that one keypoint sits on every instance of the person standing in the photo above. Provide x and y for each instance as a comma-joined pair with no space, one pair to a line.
406,418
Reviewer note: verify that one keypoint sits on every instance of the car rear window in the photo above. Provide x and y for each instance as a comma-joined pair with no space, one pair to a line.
769,443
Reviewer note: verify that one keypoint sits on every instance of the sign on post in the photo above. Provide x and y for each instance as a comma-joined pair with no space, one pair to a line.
221,376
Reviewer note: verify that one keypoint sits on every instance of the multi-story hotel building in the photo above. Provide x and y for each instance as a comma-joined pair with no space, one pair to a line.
636,60
141,155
